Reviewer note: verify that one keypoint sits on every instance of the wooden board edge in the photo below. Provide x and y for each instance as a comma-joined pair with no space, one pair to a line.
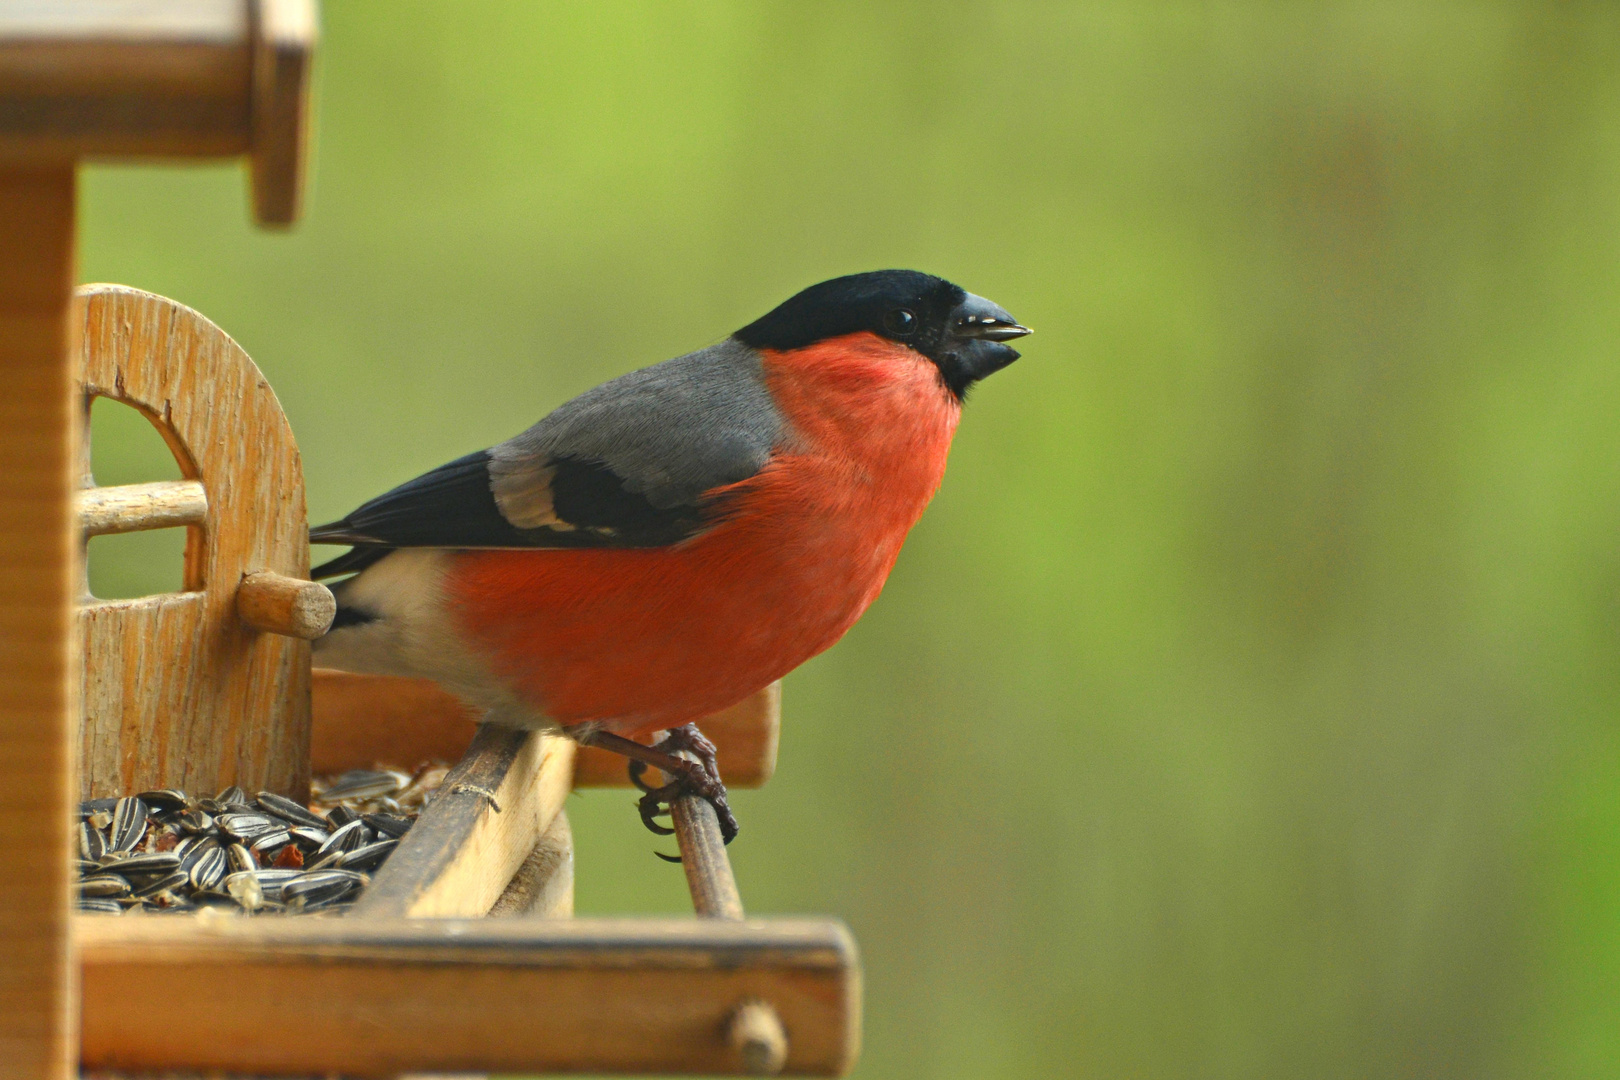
383,996
360,721
487,817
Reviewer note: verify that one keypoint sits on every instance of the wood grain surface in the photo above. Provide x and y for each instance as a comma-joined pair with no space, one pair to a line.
375,997
38,662
178,690
96,77
543,886
360,721
283,46
488,815
294,607
142,78
163,504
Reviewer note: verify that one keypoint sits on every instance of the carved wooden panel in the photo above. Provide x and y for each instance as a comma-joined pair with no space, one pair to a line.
179,691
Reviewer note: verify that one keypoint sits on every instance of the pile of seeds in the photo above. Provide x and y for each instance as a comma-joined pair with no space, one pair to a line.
169,851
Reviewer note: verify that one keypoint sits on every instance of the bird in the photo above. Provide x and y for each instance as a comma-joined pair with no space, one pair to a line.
676,539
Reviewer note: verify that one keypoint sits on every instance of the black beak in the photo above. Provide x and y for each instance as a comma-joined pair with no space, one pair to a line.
979,319
973,347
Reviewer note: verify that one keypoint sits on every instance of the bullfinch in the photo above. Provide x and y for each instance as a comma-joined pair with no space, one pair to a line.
676,539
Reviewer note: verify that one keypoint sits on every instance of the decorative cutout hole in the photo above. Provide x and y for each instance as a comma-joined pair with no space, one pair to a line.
126,448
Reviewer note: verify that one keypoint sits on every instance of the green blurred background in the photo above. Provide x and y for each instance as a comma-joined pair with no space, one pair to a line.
1244,705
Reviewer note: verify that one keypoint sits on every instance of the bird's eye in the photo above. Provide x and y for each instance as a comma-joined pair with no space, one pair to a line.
900,322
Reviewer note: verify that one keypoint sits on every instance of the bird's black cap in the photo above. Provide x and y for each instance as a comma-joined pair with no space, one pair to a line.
961,333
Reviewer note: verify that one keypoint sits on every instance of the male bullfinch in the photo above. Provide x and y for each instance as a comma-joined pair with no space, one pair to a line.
665,545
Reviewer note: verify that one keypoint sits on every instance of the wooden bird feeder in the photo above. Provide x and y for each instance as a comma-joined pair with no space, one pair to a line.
212,686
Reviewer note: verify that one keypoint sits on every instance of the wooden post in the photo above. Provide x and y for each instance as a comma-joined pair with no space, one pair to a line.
38,575
92,78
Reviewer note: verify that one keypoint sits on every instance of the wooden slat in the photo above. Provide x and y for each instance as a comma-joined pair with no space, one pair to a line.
358,721
543,886
144,78
485,820
103,77
378,997
162,504
284,42
38,574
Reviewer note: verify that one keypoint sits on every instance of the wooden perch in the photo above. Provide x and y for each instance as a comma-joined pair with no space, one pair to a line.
133,507
285,605
755,1030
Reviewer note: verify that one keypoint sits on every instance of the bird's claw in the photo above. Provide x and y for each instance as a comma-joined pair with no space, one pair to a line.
638,769
703,780
651,807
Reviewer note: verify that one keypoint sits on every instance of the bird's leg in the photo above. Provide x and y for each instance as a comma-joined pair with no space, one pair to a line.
701,778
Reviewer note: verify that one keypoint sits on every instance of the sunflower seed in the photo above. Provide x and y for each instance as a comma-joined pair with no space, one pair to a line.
288,810
340,816
308,837
94,806
347,838
198,854
156,863
245,889
324,862
164,799
367,857
247,826
313,889
240,858
209,870
105,885
128,824
196,823
272,882
270,841
92,845
365,784
100,906
233,796
387,825
161,884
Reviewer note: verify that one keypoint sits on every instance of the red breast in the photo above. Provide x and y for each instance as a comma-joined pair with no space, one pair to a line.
648,638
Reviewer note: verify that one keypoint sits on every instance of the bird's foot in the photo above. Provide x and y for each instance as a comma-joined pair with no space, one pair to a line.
687,777
701,779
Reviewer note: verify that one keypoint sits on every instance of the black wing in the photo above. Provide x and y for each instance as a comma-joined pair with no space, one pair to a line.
625,465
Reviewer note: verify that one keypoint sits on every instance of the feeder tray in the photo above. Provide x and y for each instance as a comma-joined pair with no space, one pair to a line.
212,685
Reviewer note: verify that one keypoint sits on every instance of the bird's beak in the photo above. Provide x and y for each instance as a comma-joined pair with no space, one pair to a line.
979,319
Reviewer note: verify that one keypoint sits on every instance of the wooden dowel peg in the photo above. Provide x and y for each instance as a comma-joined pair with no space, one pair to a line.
133,507
756,1033
284,605
703,857
755,1030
